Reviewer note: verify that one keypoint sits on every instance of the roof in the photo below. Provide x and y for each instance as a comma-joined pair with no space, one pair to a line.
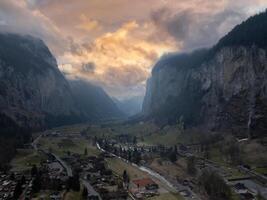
240,186
247,196
143,182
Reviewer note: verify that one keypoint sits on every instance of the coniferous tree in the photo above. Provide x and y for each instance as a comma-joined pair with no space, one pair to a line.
85,193
85,151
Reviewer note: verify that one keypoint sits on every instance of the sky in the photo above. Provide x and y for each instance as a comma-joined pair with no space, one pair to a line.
115,43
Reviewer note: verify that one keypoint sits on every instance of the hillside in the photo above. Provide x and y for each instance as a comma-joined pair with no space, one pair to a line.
93,101
34,94
222,88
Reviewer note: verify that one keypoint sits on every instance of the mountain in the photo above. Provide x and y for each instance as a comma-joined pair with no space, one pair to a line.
34,94
222,88
93,101
33,91
130,106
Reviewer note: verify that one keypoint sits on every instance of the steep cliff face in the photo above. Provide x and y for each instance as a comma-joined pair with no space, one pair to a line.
222,88
33,92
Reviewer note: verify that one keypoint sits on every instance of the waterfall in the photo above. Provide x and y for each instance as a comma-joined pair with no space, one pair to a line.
249,122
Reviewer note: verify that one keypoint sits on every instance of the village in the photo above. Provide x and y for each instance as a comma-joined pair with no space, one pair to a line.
78,163
78,172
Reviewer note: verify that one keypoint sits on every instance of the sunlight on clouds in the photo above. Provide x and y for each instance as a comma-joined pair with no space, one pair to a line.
88,24
123,57
114,43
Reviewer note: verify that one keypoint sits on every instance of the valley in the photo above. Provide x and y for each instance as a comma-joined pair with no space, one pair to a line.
163,103
122,161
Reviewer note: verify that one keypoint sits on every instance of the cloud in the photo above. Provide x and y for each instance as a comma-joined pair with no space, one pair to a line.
88,24
195,29
115,43
119,60
201,23
89,67
16,17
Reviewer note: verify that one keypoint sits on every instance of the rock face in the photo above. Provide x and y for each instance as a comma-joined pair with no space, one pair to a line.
223,88
93,101
33,92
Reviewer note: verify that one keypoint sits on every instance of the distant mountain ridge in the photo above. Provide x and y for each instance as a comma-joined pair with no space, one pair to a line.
34,94
222,88
93,101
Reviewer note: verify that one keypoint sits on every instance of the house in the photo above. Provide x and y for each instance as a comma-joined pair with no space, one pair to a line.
247,196
185,193
92,197
240,188
55,196
145,184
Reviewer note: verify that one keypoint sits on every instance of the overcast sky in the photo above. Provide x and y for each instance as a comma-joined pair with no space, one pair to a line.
114,43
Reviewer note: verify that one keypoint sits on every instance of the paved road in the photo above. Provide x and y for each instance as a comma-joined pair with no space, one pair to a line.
63,163
35,142
90,189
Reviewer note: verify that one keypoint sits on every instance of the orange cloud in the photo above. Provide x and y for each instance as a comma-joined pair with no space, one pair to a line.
88,24
122,58
114,43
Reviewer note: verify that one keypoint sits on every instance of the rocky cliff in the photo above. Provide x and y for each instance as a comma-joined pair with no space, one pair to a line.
222,88
33,92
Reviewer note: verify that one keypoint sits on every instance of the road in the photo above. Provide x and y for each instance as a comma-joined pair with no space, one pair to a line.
64,164
90,189
68,169
35,142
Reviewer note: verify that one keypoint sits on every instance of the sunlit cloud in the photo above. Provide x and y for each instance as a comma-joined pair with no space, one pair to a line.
88,24
121,59
115,43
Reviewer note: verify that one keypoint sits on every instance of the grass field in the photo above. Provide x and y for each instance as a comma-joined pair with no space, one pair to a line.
76,128
139,129
254,153
167,196
261,170
118,166
170,169
25,158
61,146
73,196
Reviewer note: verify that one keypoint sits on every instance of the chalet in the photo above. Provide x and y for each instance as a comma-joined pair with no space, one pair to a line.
185,193
145,184
247,196
55,196
196,147
240,188
92,197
